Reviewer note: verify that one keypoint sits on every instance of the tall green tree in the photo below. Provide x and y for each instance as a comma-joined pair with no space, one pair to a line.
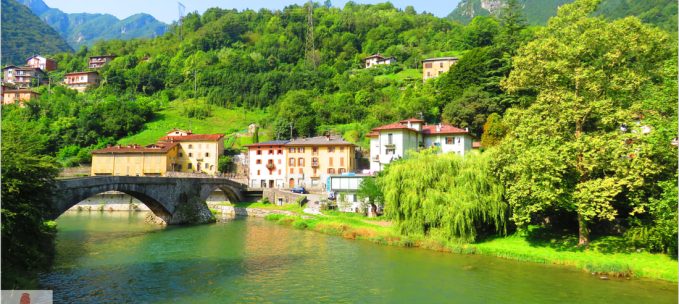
582,146
27,179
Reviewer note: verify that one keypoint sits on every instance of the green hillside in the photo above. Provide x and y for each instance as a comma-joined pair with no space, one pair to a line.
662,13
24,34
84,29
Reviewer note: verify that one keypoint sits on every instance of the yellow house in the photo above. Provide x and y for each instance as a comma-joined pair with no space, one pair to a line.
135,160
197,152
434,67
311,160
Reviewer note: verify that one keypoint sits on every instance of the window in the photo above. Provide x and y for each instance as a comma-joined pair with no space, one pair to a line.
390,139
181,154
341,149
292,170
190,154
314,151
331,171
207,154
342,161
440,72
280,152
190,146
301,171
259,152
342,170
279,171
300,162
257,172
291,162
428,74
300,149
331,149
259,162
427,65
450,140
270,152
459,139
440,64
330,161
189,166
291,150
391,151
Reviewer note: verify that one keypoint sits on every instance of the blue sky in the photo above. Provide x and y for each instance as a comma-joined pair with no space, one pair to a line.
166,10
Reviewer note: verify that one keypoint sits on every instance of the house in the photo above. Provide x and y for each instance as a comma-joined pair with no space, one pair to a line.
24,77
80,81
42,63
476,145
267,164
177,151
197,152
302,162
393,141
312,160
344,188
96,62
17,96
434,67
377,59
135,160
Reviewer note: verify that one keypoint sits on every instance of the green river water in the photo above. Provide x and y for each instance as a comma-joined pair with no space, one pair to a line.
117,258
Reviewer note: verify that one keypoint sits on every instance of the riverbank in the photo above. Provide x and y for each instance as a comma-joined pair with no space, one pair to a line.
515,247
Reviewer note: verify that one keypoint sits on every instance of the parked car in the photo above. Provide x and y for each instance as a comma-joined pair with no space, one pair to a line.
331,196
300,190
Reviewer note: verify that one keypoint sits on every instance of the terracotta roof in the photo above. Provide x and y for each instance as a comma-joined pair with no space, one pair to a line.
320,141
372,134
393,126
445,129
8,90
476,145
269,143
153,148
193,137
79,73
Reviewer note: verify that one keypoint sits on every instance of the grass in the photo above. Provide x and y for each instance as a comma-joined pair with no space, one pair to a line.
402,75
268,206
598,259
222,120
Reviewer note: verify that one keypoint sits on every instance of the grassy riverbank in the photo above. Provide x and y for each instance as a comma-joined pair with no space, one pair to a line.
599,258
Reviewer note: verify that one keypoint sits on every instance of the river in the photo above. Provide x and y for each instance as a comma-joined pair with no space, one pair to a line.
117,257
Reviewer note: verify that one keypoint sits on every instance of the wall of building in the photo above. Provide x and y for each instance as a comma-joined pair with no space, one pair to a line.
403,140
132,164
314,174
259,173
461,143
436,68
203,156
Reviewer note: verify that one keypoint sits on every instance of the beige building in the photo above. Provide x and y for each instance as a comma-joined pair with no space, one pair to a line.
80,81
135,160
311,160
17,96
434,67
178,151
197,152
23,77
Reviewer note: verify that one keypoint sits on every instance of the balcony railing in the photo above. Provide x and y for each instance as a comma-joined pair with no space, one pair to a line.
314,165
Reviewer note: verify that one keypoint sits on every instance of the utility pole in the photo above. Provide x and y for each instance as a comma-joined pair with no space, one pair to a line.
310,49
181,16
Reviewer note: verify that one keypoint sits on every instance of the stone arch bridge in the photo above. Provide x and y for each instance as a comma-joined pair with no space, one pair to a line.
176,200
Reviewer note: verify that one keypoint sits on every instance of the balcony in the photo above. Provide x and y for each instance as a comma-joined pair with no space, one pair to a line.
314,164
390,146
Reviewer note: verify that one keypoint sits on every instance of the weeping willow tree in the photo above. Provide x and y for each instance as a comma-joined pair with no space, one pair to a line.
444,195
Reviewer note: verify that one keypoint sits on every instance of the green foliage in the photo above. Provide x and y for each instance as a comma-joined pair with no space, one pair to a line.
566,151
225,164
445,196
370,189
24,34
493,131
27,180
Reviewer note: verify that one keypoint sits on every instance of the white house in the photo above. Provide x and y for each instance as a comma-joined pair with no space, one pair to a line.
378,59
344,187
267,164
391,142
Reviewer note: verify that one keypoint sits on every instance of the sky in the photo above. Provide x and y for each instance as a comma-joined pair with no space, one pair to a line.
167,10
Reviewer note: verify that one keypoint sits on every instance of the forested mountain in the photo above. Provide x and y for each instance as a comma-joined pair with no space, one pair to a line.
84,28
24,34
662,13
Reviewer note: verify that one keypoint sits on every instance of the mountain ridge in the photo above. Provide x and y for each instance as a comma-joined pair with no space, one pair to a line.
84,29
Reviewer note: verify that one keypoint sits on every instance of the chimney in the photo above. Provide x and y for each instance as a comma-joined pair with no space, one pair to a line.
438,127
466,129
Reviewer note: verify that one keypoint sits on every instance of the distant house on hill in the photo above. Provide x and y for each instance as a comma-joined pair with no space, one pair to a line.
80,81
17,96
23,77
42,63
96,62
434,67
377,59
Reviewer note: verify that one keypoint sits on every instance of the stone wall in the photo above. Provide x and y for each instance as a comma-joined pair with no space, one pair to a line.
282,197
